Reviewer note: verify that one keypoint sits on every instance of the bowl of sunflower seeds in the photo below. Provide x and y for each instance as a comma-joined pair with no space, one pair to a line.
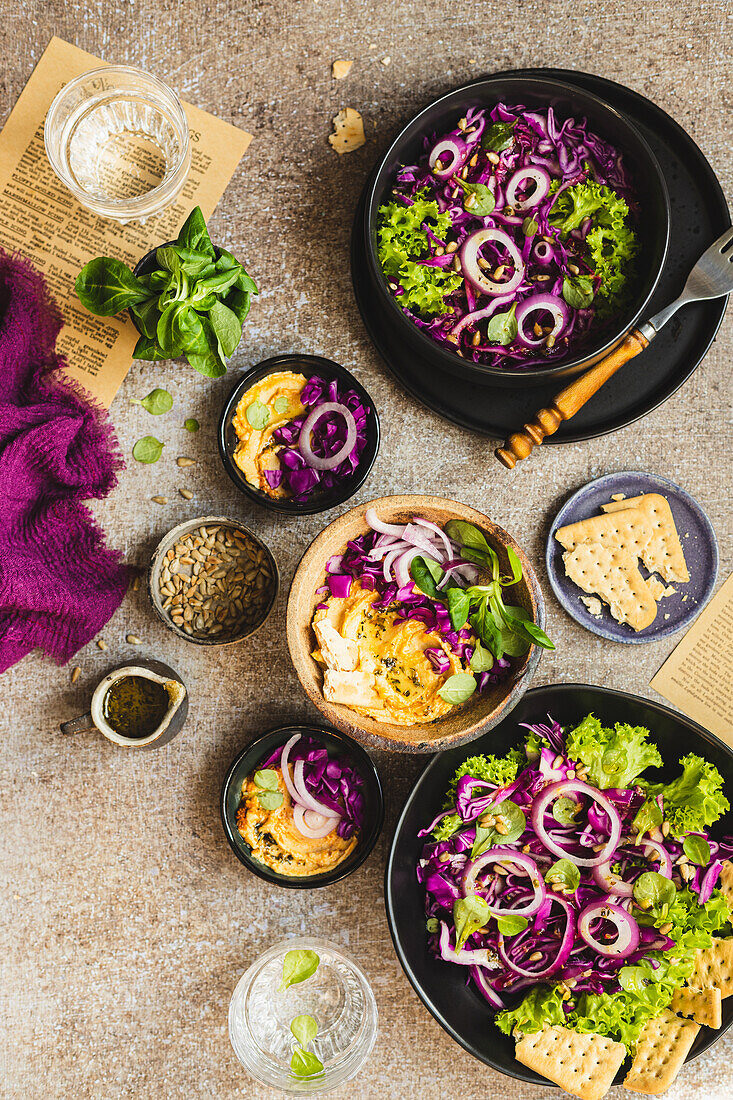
212,581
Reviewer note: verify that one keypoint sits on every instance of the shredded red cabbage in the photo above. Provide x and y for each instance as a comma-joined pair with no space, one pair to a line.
333,780
545,157
295,476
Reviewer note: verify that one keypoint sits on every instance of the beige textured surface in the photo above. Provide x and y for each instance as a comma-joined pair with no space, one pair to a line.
126,921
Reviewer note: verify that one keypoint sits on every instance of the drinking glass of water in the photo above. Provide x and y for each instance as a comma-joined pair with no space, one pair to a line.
336,996
118,139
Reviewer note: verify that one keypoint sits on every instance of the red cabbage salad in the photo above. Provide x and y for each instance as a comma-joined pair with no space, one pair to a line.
326,790
573,889
511,242
449,579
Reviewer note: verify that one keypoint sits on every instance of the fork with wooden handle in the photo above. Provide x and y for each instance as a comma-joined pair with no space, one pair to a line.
711,277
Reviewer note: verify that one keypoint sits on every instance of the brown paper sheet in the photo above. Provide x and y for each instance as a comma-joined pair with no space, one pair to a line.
697,676
44,222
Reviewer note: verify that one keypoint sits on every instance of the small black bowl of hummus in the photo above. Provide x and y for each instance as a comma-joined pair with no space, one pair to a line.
298,434
263,823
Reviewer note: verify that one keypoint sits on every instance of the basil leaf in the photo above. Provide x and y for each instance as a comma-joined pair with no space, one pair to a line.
469,914
227,328
484,839
458,607
245,282
304,1063
578,292
423,576
502,327
647,817
201,298
227,262
512,820
238,302
194,235
258,415
281,405
270,800
697,849
106,286
563,873
147,348
486,630
466,534
498,137
147,449
432,924
458,688
565,810
511,924
515,565
266,779
167,257
529,227
298,966
191,424
652,890
204,354
479,198
194,263
481,659
147,314
538,635
167,334
156,403
305,1029
219,282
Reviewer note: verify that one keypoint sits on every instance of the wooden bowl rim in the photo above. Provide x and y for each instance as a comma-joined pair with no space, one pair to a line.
301,603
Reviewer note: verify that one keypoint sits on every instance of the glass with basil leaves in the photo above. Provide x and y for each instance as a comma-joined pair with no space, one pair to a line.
303,1018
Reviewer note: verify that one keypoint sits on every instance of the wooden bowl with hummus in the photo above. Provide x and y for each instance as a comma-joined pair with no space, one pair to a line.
383,644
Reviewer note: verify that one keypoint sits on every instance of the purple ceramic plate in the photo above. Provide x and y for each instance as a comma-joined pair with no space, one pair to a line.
698,540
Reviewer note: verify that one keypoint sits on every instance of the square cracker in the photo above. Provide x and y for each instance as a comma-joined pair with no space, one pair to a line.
703,1005
663,554
714,966
614,576
726,882
661,1050
630,530
583,1065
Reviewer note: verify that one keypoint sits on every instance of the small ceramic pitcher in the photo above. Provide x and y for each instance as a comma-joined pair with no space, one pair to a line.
171,723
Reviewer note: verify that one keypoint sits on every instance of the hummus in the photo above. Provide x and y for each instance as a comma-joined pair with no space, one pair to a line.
278,394
376,664
275,841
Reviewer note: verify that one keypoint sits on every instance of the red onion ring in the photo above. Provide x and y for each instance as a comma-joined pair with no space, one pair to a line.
628,936
311,420
467,956
376,524
458,151
542,186
438,532
563,951
652,849
609,881
485,988
469,261
305,798
550,302
574,787
481,314
314,830
519,859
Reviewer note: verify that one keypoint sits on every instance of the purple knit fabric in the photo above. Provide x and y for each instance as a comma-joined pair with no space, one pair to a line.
59,584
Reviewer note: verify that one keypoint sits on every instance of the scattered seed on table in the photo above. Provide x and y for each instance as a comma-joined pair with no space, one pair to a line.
159,500
101,644
75,674
185,461
136,584
132,639
186,494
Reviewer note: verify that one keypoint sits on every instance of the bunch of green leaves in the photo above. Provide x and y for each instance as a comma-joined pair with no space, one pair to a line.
501,629
612,243
192,303
402,242
614,757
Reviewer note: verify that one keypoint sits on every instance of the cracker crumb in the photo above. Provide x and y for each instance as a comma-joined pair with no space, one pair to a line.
387,60
619,496
594,605
348,132
472,61
667,615
685,597
341,69
655,587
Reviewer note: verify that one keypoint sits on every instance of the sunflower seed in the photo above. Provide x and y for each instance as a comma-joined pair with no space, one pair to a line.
186,494
132,639
101,644
159,500
185,462
75,674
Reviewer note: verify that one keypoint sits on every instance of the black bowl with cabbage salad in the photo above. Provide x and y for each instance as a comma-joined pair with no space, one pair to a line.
567,871
518,227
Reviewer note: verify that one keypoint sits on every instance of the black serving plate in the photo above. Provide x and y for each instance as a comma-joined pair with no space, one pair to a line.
442,986
699,214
